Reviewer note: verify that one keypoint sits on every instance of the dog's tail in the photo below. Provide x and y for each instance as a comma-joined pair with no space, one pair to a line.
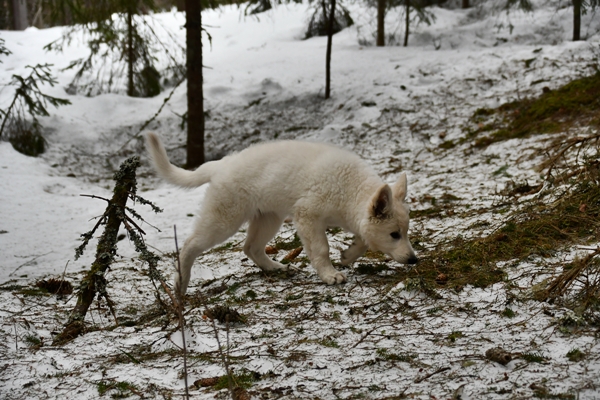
169,172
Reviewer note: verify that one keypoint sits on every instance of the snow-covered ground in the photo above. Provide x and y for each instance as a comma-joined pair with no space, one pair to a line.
391,105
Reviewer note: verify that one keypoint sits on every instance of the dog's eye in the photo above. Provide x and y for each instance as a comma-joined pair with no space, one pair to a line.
395,235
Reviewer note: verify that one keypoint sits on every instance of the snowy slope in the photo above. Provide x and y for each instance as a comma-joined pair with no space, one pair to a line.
391,105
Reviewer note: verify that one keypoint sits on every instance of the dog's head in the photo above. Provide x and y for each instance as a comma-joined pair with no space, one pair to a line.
386,227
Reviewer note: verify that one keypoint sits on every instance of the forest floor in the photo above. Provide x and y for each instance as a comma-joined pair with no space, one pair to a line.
391,331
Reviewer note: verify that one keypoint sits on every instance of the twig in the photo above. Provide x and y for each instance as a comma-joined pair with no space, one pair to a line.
368,333
28,262
127,221
223,358
165,101
179,308
93,196
16,337
568,145
437,371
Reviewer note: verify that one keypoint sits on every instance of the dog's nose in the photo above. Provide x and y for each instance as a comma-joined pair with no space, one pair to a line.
412,260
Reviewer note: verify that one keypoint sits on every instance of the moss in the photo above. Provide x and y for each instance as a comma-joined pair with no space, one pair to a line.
575,355
455,335
371,269
290,244
508,313
244,379
533,357
119,390
447,144
402,357
33,291
427,212
329,342
537,229
574,104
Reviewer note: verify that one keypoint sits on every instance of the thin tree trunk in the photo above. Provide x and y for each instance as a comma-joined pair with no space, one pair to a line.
577,20
38,18
130,87
465,4
381,22
406,31
331,18
19,14
195,97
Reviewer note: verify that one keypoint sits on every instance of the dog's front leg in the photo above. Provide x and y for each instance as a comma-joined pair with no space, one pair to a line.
317,248
356,249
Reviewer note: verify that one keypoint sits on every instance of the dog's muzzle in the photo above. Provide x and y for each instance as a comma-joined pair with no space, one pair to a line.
412,260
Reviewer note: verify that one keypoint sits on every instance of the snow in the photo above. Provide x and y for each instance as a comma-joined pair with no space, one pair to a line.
262,82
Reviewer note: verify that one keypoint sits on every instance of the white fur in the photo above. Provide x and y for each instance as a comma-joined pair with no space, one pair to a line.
317,184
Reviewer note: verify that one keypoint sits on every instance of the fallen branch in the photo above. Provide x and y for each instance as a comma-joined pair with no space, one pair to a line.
94,283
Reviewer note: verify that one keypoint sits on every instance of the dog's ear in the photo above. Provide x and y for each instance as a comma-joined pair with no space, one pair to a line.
381,205
400,188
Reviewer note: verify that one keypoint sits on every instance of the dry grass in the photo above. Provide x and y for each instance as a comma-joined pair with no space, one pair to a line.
576,104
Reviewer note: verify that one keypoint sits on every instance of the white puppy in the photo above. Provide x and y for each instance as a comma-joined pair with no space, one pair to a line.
318,185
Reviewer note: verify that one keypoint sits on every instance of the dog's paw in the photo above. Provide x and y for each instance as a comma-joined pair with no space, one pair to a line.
273,266
332,276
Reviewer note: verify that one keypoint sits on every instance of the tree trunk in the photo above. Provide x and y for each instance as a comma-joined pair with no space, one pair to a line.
465,4
130,54
577,20
195,97
19,14
180,4
381,22
406,31
331,18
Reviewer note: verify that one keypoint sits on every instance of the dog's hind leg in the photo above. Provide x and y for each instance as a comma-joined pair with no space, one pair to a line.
214,225
356,249
262,229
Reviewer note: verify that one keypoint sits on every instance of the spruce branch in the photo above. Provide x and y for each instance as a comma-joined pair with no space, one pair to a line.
29,100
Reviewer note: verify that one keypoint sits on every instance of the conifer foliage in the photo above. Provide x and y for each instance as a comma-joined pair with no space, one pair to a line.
124,47
19,121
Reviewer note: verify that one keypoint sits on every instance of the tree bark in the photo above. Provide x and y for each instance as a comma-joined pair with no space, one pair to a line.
331,18
195,96
577,20
19,15
465,4
407,31
381,22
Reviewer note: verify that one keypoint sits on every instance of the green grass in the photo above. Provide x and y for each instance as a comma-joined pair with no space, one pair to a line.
243,380
533,357
508,313
371,269
290,244
575,355
116,389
